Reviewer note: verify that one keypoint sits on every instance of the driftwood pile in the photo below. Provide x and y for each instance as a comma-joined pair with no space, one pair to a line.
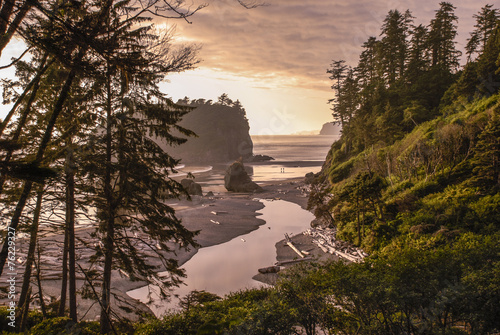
325,239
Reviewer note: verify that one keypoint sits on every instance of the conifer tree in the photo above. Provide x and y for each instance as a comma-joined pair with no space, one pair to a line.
486,21
442,33
337,75
418,58
394,44
368,65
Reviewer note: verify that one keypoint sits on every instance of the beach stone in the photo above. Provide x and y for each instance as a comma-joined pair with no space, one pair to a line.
191,187
309,178
237,179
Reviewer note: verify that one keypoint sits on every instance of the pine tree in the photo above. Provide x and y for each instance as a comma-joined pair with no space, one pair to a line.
394,44
337,75
486,159
442,33
131,169
419,58
368,65
486,21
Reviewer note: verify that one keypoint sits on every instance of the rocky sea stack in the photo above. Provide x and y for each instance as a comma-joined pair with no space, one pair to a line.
237,179
222,132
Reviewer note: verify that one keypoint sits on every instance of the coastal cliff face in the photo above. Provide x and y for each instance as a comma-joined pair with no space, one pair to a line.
330,128
222,132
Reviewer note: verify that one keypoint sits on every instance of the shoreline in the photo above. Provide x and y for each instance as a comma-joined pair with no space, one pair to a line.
239,218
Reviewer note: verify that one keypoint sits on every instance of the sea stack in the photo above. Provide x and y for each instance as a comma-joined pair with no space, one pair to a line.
237,179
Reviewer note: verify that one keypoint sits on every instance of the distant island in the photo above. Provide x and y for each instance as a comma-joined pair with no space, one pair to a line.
330,128
222,131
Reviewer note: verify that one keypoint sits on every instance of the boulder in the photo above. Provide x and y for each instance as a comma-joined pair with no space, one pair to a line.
236,179
309,178
209,194
191,187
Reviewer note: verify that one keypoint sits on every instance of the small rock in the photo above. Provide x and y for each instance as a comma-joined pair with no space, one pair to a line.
191,187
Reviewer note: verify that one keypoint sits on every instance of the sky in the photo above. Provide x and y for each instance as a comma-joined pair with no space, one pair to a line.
274,58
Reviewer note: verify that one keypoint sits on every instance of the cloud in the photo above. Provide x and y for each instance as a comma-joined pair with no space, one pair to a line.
298,39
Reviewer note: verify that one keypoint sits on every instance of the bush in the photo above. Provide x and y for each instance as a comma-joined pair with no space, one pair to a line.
64,325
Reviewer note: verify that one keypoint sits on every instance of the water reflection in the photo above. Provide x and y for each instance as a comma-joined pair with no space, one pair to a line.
230,266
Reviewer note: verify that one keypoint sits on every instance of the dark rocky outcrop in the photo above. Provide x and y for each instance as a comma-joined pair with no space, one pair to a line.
191,187
222,131
330,128
309,178
237,179
259,158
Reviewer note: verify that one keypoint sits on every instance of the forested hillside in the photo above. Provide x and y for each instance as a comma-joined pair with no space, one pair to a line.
419,148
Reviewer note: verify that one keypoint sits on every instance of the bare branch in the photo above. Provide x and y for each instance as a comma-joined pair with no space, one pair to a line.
14,61
178,13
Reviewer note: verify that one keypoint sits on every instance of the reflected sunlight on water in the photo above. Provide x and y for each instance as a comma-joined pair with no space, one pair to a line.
230,266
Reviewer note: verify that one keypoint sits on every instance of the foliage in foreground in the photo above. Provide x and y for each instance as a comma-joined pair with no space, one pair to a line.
430,288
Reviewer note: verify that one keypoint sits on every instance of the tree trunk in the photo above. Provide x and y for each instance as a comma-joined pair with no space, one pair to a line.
358,223
14,25
363,221
39,282
70,212
15,221
110,220
30,257
64,284
24,312
5,13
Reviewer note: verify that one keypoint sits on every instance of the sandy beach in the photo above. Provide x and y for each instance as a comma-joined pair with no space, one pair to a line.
239,218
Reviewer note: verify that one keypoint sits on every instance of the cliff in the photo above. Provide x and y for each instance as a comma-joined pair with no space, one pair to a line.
330,128
222,129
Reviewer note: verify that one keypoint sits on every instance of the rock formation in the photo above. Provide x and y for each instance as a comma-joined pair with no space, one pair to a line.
237,179
191,187
259,158
222,131
330,128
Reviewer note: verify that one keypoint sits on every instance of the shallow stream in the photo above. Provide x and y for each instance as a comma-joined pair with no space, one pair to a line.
230,266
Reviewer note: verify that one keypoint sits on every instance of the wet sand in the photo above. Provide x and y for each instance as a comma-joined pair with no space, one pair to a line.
235,212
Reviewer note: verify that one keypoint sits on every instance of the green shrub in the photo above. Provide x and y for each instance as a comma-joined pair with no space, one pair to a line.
64,325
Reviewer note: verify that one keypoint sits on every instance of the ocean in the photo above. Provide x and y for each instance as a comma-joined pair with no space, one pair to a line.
293,147
294,156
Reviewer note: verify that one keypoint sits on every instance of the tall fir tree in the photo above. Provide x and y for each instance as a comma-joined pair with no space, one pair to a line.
442,33
486,22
